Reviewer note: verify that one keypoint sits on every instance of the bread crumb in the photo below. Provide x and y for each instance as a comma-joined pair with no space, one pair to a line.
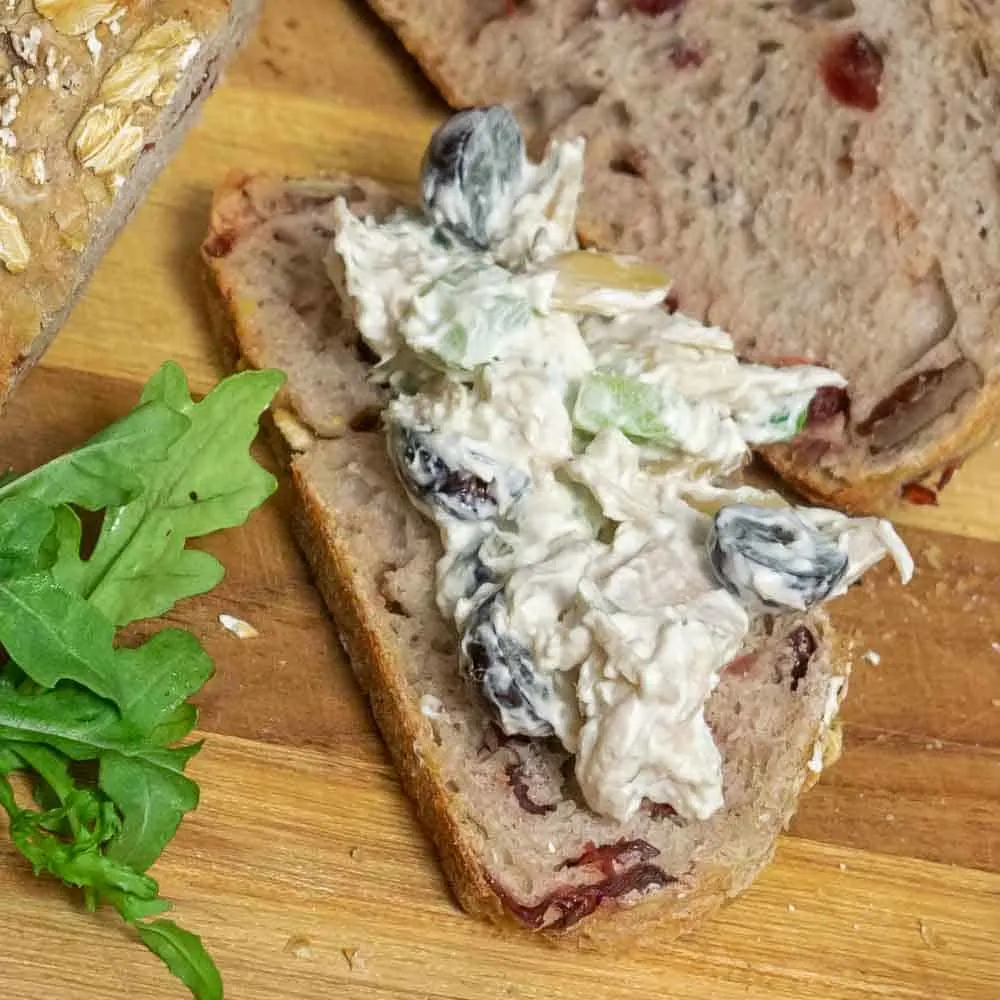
995,646
995,702
296,433
355,959
933,745
239,628
855,927
842,866
791,907
928,935
299,946
872,657
890,817
355,853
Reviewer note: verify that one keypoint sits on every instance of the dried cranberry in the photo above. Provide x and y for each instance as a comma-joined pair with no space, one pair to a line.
656,7
829,402
684,57
919,495
803,644
608,857
573,903
220,245
741,665
947,472
519,786
672,303
852,71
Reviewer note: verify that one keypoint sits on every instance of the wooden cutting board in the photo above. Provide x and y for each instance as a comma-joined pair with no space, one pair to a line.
304,868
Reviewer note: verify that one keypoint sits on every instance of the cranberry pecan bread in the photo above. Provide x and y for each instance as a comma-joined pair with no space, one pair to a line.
517,842
820,177
95,96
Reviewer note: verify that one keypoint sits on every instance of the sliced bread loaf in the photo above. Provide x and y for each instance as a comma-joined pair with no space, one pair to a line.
821,178
516,841
95,97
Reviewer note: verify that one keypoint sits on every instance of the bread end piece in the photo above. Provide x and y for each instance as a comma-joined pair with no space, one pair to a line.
66,247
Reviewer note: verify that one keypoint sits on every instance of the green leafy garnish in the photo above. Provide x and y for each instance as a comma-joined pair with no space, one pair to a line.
184,956
101,731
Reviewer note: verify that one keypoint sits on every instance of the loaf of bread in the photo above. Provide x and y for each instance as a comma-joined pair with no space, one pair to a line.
820,177
516,840
95,96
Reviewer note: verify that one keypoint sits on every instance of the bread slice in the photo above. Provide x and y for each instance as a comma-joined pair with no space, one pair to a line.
517,843
819,176
95,97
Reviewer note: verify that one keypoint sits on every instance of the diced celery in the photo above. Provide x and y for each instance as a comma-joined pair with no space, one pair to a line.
466,318
609,400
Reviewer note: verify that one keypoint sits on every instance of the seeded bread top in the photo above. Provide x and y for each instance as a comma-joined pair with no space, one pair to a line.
86,89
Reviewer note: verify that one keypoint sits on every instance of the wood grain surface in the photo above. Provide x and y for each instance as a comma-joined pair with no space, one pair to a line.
304,869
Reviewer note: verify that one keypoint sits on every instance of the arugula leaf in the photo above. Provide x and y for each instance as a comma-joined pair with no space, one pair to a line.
9,761
99,728
159,676
80,862
152,797
50,767
140,567
69,719
67,536
53,635
25,525
185,956
133,909
7,801
81,726
103,473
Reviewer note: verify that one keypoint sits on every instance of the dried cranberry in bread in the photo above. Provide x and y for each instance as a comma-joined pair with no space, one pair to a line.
517,843
95,96
819,176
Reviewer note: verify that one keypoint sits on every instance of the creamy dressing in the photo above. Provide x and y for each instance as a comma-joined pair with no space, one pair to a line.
598,571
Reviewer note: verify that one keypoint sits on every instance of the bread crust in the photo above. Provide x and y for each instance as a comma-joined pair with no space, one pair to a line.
672,911
881,492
